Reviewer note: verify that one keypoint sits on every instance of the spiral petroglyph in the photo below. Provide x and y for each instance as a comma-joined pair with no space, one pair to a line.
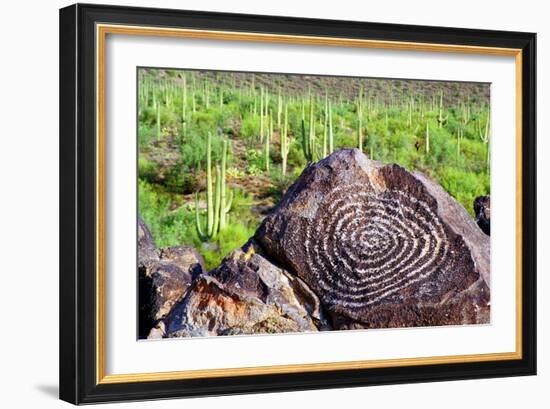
382,247
362,247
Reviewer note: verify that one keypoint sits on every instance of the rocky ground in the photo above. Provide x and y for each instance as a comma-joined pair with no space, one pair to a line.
352,244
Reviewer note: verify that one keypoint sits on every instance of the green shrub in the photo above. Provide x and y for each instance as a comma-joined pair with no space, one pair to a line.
250,127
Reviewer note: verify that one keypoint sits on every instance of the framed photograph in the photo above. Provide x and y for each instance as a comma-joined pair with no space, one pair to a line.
257,203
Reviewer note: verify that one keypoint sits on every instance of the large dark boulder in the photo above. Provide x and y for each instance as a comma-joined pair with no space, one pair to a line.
380,246
246,294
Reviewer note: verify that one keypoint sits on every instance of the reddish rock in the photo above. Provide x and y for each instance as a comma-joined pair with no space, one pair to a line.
246,294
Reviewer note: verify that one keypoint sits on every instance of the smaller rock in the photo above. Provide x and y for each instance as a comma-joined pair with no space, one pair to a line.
164,277
246,294
482,209
147,249
187,258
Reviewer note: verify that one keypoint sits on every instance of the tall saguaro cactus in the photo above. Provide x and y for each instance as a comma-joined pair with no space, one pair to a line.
311,137
206,95
360,120
261,114
484,135
325,128
427,138
441,119
330,130
279,109
307,140
285,143
459,136
184,103
217,205
410,107
268,137
225,203
158,120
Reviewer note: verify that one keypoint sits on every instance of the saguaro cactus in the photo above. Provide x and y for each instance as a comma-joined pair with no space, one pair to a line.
268,142
311,137
225,203
359,109
306,142
279,109
158,121
285,143
217,205
459,135
184,102
206,95
410,106
427,138
484,135
261,114
330,130
441,119
204,235
325,128
484,132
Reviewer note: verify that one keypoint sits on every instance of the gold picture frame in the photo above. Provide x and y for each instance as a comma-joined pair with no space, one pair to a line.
98,20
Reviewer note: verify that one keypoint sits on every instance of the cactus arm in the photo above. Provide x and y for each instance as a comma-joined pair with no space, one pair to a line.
229,203
200,233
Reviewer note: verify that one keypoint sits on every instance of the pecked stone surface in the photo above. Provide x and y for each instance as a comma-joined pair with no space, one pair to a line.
164,276
246,294
381,247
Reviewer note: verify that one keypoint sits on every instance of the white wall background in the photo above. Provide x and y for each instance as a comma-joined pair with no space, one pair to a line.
29,202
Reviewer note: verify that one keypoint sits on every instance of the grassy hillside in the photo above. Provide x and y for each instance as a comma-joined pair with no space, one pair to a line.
246,137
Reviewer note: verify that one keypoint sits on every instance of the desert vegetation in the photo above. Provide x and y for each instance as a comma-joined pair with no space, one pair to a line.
217,150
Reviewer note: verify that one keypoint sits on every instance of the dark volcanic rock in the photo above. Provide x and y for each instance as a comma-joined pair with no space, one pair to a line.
246,294
482,209
164,277
381,247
